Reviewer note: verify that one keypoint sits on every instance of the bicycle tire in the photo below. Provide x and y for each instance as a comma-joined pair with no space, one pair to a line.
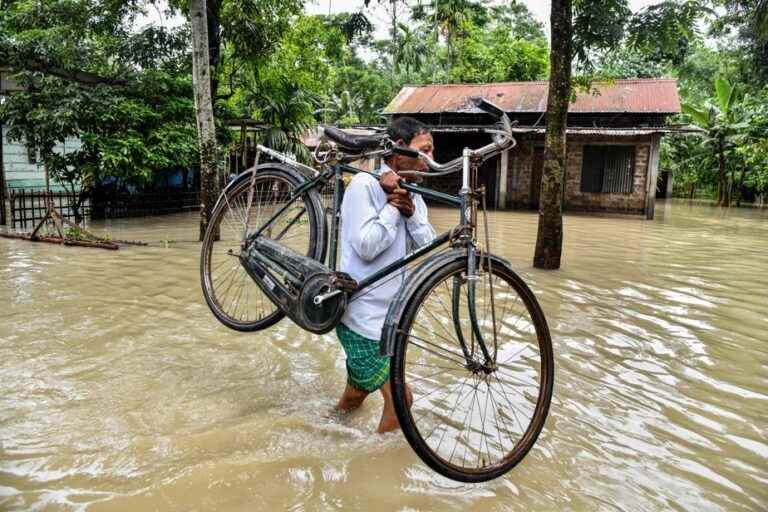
415,433
223,233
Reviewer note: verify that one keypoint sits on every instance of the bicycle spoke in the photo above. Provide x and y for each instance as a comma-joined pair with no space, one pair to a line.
445,423
460,361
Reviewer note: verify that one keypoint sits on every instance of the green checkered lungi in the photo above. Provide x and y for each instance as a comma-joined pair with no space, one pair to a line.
366,369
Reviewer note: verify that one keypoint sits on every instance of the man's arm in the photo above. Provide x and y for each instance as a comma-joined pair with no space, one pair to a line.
418,225
370,231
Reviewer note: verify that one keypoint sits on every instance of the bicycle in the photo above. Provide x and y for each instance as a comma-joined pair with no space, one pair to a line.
475,363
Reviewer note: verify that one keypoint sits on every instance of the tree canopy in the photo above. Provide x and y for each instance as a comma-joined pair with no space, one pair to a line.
125,91
126,94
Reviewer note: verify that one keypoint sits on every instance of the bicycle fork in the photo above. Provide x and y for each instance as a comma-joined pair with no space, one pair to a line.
471,277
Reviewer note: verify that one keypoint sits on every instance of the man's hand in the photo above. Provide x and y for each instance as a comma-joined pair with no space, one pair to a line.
389,181
401,199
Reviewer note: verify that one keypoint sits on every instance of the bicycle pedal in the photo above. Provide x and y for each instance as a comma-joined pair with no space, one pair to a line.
343,281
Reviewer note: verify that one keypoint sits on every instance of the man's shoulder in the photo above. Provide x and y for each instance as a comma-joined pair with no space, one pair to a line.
363,178
363,181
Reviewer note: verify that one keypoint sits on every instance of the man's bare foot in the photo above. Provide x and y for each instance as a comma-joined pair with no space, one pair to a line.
351,399
389,421
388,425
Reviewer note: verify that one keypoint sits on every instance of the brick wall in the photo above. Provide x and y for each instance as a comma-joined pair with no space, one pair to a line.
519,175
633,202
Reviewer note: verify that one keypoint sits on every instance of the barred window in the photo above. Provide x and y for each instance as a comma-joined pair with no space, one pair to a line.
608,169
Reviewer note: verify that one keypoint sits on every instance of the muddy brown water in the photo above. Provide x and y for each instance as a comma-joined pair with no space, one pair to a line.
120,391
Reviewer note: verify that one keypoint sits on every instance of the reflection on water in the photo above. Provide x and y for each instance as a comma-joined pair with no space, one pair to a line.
120,391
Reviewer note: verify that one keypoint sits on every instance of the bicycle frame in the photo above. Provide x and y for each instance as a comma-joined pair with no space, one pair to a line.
336,173
466,229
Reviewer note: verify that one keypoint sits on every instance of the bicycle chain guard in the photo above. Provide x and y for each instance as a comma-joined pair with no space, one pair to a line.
303,279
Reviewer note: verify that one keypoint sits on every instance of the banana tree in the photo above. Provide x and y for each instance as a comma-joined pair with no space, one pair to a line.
722,124
287,111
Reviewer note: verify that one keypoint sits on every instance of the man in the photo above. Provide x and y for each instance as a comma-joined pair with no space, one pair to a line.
380,223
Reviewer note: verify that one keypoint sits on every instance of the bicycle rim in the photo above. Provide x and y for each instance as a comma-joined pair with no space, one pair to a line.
233,297
466,423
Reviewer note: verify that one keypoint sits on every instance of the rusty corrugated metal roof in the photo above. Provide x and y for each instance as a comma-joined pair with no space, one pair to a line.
648,96
580,130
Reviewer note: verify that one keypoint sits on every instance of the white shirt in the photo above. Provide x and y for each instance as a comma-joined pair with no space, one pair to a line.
373,235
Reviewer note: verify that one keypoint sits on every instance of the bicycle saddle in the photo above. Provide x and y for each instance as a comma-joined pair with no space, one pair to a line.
353,142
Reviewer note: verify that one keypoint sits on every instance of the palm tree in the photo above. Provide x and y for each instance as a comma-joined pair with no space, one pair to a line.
721,123
412,50
448,16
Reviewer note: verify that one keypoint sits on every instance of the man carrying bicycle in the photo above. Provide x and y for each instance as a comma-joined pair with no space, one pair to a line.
380,223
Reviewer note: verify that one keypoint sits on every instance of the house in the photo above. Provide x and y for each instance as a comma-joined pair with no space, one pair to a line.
21,166
614,134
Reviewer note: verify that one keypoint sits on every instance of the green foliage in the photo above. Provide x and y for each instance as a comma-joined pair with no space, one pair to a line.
746,21
626,62
597,25
753,150
481,43
495,54
254,27
608,37
663,32
126,95
733,150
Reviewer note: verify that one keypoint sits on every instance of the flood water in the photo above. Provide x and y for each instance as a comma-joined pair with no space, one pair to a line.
120,391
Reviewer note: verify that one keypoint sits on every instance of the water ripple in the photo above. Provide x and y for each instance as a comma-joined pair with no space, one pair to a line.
119,391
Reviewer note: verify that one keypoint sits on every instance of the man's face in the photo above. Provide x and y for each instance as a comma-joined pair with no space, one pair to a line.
422,142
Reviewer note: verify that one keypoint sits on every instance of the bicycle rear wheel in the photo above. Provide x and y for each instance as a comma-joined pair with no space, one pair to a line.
468,423
233,297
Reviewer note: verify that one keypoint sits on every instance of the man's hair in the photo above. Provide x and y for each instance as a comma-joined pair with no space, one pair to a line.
405,129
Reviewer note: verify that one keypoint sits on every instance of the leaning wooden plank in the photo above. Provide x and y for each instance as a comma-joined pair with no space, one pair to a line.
33,235
57,240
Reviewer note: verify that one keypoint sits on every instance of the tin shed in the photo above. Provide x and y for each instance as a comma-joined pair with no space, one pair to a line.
614,134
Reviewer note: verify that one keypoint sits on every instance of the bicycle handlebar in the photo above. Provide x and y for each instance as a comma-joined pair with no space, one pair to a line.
507,141
502,139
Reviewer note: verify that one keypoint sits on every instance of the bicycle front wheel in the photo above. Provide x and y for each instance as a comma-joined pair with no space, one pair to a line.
471,421
233,297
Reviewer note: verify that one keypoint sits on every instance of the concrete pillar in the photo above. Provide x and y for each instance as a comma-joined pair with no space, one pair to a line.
515,179
502,174
652,175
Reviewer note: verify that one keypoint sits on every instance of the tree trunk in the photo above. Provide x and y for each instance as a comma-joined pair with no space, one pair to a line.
722,182
395,49
213,8
206,129
82,196
3,220
741,186
549,240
